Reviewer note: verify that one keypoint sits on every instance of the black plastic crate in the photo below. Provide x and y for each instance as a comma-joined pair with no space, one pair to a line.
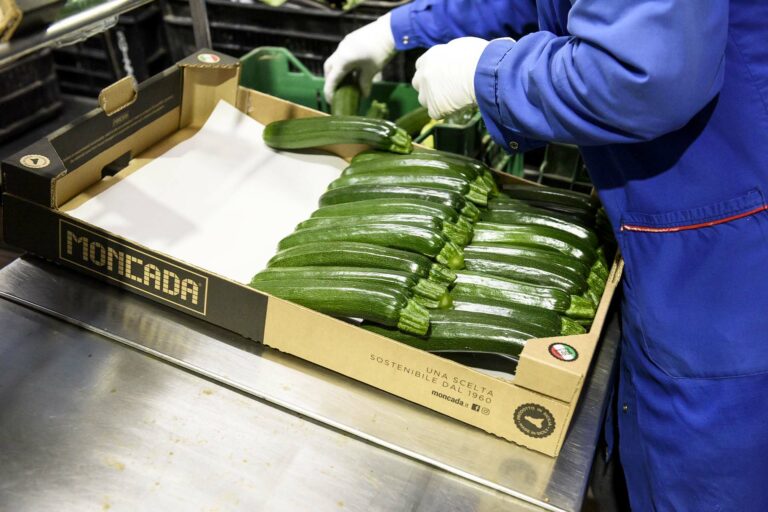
137,45
311,34
29,106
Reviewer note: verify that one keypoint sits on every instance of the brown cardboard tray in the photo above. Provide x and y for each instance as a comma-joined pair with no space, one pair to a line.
131,128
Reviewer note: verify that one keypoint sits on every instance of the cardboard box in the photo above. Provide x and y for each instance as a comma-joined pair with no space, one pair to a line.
132,128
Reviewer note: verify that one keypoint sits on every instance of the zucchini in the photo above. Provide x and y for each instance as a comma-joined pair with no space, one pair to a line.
412,163
537,219
346,98
363,192
421,287
382,303
378,110
552,323
369,162
507,290
467,330
579,217
456,183
310,132
482,169
397,236
542,237
526,270
455,234
413,121
353,254
396,206
552,196
563,261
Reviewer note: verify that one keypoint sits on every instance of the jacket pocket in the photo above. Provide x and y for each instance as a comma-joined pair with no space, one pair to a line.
699,285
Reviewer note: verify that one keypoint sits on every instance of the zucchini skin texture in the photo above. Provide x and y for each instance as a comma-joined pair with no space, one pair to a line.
353,193
355,254
346,98
579,217
478,194
385,304
548,322
528,271
536,219
385,206
543,237
469,331
397,236
507,290
311,132
434,293
454,234
565,198
563,261
413,121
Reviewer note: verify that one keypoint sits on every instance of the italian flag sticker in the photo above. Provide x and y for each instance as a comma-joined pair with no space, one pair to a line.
563,352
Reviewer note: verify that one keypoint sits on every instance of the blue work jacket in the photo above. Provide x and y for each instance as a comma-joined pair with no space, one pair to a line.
668,101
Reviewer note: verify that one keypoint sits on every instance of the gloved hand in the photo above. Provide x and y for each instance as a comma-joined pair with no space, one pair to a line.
445,75
367,49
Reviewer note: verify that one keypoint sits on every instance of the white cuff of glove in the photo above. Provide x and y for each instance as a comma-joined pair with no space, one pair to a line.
445,75
367,50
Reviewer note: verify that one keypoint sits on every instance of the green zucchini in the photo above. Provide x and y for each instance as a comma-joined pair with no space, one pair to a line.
563,261
553,323
537,219
551,195
396,206
363,192
434,292
456,183
354,254
507,290
467,330
543,237
397,236
413,121
411,163
526,270
446,156
579,217
382,303
310,132
455,234
379,161
377,110
346,98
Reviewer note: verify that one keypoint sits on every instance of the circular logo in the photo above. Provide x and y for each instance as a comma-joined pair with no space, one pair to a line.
563,352
534,420
34,161
208,58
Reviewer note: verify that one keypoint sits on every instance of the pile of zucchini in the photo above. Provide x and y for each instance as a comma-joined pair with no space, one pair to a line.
424,248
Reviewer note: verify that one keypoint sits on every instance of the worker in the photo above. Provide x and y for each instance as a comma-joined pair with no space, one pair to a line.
668,101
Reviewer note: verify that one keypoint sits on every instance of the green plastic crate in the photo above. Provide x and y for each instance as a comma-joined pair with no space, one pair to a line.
276,71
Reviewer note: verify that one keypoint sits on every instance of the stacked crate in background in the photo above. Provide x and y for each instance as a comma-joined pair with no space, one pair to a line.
136,46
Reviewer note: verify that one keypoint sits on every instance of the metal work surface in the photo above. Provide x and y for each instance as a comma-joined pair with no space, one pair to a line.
373,420
69,30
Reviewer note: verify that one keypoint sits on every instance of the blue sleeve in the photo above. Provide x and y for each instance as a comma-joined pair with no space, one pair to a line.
425,23
630,71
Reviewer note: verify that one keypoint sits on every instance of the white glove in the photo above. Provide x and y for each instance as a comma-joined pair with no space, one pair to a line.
445,75
367,49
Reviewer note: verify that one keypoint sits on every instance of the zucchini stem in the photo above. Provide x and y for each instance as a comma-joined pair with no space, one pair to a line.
581,308
451,255
570,327
442,274
429,289
414,319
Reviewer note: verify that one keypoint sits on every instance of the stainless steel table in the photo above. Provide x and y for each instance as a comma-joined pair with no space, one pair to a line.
110,402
